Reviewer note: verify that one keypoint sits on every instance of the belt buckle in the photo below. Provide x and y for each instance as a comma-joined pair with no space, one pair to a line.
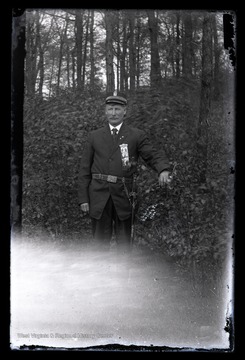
112,179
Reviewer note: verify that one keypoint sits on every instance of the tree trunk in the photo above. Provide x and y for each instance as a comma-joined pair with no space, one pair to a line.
118,47
40,47
31,55
126,74
73,68
171,41
79,39
51,76
62,42
137,46
195,67
85,54
177,59
131,16
155,75
118,52
68,66
110,86
205,101
91,39
67,54
187,45
123,55
41,72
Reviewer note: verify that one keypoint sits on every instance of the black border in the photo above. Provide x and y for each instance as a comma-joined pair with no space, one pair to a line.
6,24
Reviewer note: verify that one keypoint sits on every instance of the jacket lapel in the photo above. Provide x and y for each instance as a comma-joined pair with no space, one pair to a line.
107,138
121,138
123,134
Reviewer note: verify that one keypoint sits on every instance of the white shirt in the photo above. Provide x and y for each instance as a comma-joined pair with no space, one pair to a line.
118,127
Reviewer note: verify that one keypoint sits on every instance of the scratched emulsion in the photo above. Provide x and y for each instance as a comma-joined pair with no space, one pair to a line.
75,296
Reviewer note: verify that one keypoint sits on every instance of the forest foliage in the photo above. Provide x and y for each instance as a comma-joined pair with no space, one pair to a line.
187,220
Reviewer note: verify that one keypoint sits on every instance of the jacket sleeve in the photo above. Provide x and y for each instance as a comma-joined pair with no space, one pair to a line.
156,159
84,175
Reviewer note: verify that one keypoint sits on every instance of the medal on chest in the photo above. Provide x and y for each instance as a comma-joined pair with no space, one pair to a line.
124,155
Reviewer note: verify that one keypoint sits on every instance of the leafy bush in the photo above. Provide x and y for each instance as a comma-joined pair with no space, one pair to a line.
190,221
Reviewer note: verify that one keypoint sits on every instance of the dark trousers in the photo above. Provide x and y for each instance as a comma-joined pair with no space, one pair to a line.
109,224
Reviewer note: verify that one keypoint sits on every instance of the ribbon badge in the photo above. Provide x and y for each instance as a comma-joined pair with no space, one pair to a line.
124,155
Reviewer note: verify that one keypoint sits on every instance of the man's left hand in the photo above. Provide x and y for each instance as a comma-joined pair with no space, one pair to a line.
164,178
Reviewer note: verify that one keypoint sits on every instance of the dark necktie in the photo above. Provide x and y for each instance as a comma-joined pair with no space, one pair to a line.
114,134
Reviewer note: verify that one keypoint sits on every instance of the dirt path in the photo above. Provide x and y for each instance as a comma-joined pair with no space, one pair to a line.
74,296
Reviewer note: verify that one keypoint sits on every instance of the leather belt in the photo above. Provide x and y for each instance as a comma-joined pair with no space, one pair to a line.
110,178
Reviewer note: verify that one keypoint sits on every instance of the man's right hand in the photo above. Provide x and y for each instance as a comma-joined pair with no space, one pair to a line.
84,207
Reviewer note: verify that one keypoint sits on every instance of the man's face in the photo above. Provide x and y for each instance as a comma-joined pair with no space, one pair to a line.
115,113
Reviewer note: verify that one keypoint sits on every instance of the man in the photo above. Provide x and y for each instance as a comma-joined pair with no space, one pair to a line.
106,173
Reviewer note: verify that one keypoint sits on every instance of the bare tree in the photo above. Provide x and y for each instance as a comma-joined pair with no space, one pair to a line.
68,65
61,53
79,41
187,45
137,49
131,17
110,86
91,40
177,57
85,52
123,54
40,66
155,75
43,38
51,73
31,52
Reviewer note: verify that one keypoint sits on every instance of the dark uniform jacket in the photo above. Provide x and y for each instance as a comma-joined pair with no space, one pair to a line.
102,156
